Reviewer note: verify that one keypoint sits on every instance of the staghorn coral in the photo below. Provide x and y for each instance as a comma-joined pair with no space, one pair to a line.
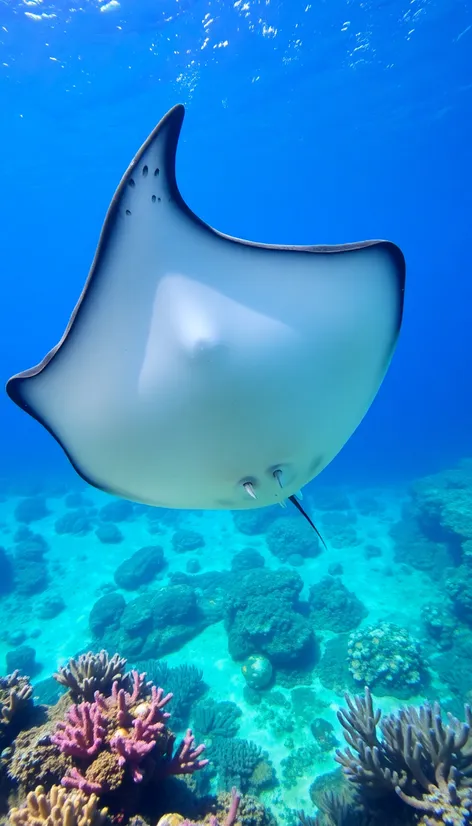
413,756
58,808
443,801
83,734
90,672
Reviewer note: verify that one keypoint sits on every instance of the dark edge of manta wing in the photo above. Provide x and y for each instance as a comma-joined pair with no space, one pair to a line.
173,120
294,501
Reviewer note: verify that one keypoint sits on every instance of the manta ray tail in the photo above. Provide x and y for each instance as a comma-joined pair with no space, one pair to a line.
294,501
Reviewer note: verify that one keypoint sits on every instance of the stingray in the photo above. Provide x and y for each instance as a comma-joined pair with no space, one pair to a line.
203,371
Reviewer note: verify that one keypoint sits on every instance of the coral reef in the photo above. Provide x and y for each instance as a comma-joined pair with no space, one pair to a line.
149,626
298,762
241,763
184,682
140,568
106,614
459,589
247,559
184,540
31,509
263,617
288,535
333,667
411,758
22,659
29,567
323,732
35,760
443,503
50,606
89,672
334,607
6,572
113,758
216,719
58,807
257,671
384,656
15,700
439,624
257,521
78,522
127,727
119,510
109,534
229,820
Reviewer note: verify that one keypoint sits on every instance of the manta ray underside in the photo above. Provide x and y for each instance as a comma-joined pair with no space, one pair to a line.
203,371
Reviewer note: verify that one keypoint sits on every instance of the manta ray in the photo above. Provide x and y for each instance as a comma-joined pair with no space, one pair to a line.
203,371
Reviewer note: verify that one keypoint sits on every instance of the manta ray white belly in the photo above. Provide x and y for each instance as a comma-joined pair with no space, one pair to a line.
198,368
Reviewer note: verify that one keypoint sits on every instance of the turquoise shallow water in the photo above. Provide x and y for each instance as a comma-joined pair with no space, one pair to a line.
383,576
306,123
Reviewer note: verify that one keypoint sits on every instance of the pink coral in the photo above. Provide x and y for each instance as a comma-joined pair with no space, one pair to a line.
84,732
185,760
128,727
75,780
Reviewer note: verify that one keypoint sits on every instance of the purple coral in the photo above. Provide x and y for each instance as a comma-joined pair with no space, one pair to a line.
185,760
126,727
123,701
75,780
83,734
132,747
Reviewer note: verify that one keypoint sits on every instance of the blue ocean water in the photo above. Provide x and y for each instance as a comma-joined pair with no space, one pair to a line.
306,122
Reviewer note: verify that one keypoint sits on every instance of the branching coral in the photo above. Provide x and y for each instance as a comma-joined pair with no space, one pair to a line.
15,698
112,737
89,673
58,808
83,734
415,754
336,810
443,801
15,693
185,682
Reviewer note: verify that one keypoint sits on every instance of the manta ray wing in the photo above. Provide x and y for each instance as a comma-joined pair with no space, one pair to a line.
204,371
